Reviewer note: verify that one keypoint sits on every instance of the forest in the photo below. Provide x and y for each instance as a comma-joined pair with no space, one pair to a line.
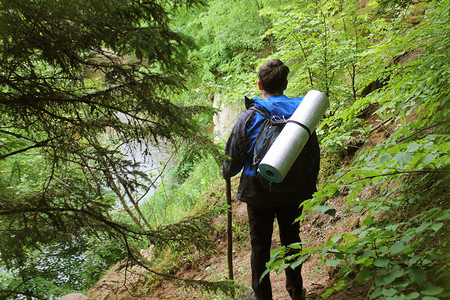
111,151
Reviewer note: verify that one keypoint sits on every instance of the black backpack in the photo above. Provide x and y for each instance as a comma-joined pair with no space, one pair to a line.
302,168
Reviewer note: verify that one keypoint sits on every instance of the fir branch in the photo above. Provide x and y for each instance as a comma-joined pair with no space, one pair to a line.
37,145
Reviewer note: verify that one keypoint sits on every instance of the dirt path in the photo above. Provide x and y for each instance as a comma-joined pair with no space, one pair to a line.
216,268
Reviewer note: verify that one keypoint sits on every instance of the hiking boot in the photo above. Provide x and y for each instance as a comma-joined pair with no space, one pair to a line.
250,294
298,296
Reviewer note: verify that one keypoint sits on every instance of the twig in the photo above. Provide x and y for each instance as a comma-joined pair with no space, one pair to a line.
381,124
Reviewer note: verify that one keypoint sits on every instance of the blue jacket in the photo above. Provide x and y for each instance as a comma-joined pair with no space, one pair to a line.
239,148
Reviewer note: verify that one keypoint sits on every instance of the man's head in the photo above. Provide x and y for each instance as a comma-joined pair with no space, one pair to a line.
273,77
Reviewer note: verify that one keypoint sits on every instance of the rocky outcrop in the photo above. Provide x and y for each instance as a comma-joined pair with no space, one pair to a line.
225,119
74,296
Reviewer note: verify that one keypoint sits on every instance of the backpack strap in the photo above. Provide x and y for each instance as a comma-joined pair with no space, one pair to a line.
263,113
301,125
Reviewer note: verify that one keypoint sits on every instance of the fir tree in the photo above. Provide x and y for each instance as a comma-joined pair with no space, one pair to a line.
79,81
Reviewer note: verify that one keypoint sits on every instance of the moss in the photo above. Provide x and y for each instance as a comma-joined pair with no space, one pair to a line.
330,162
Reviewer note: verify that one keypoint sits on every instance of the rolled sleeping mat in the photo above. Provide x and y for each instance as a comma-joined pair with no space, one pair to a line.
290,142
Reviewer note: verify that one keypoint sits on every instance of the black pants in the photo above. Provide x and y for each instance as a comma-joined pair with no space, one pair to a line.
261,221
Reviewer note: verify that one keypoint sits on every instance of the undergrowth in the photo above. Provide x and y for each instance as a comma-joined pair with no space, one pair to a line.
400,251
177,197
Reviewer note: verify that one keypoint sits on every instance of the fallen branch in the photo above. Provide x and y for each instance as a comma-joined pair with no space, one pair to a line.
381,124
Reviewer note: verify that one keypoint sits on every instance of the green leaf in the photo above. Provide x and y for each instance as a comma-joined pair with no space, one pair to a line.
403,158
296,245
376,294
380,281
413,260
445,147
325,209
398,248
445,215
417,275
300,260
368,221
332,262
389,278
316,271
413,295
264,274
429,158
389,292
275,259
414,146
339,285
364,275
432,290
437,226
381,262
422,227
384,158
401,284
282,268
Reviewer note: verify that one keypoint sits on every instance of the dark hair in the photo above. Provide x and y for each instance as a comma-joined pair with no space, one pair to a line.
273,76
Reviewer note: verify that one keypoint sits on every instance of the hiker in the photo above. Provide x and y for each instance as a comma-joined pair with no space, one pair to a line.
264,205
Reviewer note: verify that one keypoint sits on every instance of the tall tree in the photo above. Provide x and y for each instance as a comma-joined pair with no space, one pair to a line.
80,81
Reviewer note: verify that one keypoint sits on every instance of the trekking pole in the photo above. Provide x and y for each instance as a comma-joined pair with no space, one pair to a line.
229,231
